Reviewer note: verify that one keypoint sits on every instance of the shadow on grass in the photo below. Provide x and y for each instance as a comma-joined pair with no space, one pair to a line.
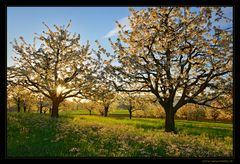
211,132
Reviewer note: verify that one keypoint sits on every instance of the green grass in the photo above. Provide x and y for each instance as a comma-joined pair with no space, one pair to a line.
125,112
74,134
77,112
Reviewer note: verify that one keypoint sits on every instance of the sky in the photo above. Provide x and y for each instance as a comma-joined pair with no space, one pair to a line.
92,23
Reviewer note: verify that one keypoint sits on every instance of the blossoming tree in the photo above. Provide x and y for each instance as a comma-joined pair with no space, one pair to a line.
179,54
58,68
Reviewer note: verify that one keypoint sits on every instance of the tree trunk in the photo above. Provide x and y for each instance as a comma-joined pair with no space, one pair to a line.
55,106
130,113
169,120
105,111
18,105
90,112
40,108
24,107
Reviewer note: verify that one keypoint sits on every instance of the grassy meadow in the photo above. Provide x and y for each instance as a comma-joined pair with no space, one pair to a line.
76,134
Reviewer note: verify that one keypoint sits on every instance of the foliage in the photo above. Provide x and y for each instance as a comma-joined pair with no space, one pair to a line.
131,102
196,113
90,106
192,112
215,114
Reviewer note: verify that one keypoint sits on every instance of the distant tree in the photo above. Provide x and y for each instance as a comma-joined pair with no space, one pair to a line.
28,99
192,112
196,112
136,102
183,112
77,102
153,110
103,96
67,105
131,102
42,102
215,114
225,102
89,106
172,51
22,97
58,69
19,95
